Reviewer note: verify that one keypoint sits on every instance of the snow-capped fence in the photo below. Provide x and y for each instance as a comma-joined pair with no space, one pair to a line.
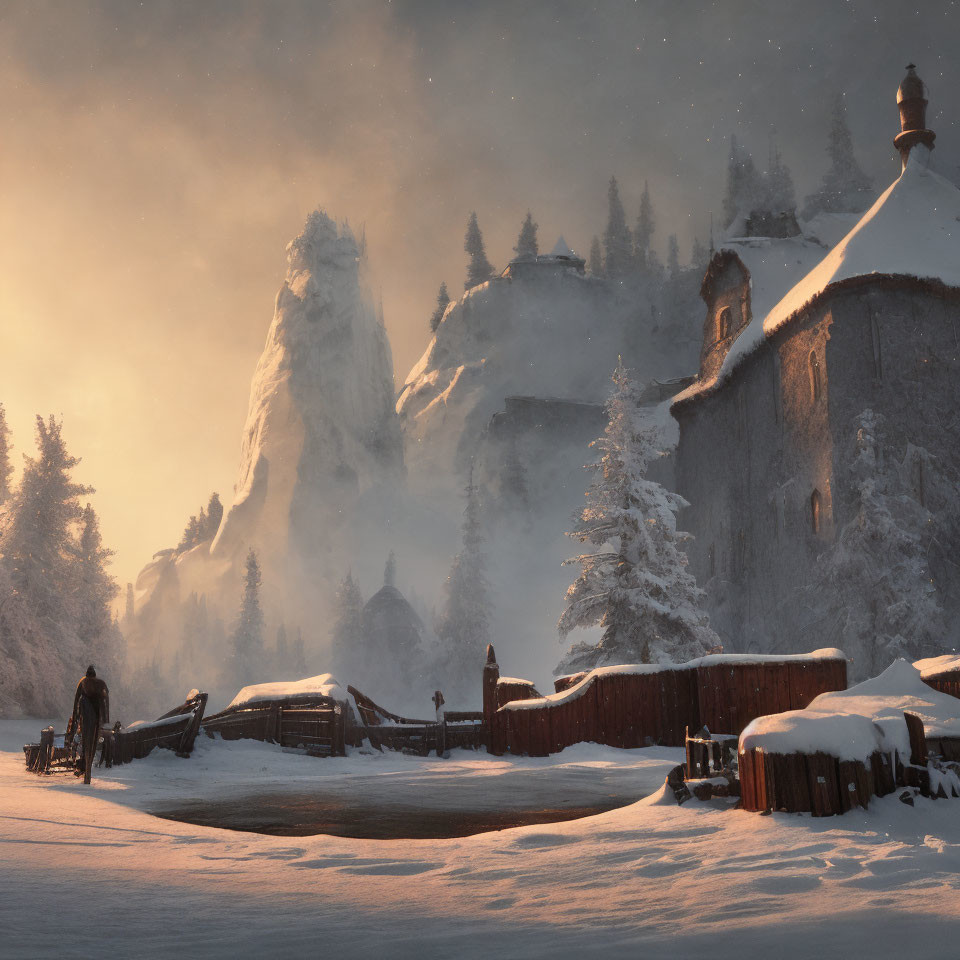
642,704
315,724
851,745
941,673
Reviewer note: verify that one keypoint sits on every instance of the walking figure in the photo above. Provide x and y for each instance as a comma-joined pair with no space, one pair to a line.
91,707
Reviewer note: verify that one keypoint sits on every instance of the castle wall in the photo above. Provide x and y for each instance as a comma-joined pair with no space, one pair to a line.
751,454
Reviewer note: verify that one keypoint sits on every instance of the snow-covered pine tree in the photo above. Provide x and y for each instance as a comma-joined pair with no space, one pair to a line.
634,582
247,639
514,491
38,544
128,606
443,298
699,256
464,627
390,570
479,269
527,247
191,534
779,195
298,659
845,188
94,590
6,468
881,602
347,638
673,257
281,653
595,265
646,224
745,188
617,241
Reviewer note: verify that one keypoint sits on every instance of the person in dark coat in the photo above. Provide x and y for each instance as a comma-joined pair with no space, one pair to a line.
91,708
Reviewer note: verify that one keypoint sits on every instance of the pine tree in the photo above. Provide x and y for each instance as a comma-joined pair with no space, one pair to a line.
596,258
94,588
745,188
514,492
298,660
128,607
634,583
247,640
617,242
699,256
479,269
214,516
881,602
38,544
646,224
347,639
845,188
6,468
780,197
443,298
527,248
390,571
673,257
464,628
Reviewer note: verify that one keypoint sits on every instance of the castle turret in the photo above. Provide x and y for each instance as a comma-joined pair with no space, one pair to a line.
912,101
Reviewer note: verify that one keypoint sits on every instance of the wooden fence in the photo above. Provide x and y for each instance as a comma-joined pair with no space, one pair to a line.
176,730
641,705
314,724
824,785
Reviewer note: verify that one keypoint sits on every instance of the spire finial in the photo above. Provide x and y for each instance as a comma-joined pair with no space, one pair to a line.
912,101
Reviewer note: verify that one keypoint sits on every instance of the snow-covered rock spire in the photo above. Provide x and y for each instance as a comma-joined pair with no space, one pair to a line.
912,101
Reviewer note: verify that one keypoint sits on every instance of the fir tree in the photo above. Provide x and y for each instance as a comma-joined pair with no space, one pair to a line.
673,257
699,256
6,468
464,628
596,258
780,197
390,570
247,640
646,224
214,516
298,660
845,188
881,599
38,544
527,248
745,188
617,242
347,639
479,269
94,587
634,581
443,298
128,607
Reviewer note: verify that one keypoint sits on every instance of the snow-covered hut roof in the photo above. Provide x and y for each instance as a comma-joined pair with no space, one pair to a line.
323,685
560,249
913,230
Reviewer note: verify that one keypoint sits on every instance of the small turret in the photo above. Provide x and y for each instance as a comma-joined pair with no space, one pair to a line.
912,101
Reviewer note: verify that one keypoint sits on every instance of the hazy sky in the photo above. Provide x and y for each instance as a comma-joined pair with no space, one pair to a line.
155,159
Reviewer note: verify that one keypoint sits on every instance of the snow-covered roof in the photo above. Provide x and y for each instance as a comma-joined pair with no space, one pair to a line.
560,249
840,722
323,685
933,666
913,230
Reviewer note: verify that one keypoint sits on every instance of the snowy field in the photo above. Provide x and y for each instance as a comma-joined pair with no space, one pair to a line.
87,872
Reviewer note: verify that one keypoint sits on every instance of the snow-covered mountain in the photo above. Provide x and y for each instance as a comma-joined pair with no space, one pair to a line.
321,437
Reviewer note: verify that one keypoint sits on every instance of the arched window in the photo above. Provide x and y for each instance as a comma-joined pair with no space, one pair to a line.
723,323
816,384
815,511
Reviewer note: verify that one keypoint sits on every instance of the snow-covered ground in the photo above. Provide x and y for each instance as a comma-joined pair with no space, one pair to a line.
86,872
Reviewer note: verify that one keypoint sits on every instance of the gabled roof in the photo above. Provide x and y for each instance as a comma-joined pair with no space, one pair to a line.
912,231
